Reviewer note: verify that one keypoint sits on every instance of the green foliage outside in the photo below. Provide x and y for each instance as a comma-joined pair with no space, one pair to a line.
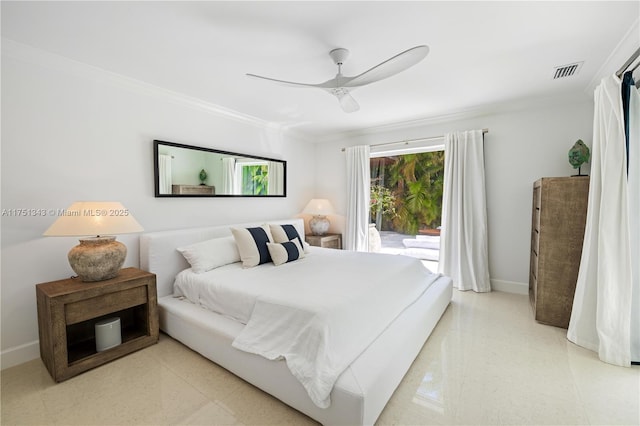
382,201
414,181
255,180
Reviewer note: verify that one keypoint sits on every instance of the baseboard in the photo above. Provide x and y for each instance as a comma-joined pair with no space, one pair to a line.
19,354
510,286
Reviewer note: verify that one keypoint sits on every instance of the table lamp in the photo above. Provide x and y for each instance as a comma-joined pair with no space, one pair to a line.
319,208
99,257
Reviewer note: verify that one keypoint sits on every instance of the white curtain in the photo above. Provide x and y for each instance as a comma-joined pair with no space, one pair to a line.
601,315
358,186
276,178
463,240
164,173
633,191
229,176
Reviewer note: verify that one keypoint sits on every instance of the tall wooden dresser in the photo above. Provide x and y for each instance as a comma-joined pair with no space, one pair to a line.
557,230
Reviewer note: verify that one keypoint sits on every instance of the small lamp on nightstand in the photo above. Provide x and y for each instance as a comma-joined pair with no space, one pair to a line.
319,208
101,257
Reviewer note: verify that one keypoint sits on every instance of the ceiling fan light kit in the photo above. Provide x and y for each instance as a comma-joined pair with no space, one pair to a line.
339,85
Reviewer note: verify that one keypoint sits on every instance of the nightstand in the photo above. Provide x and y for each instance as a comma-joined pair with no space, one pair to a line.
69,309
326,240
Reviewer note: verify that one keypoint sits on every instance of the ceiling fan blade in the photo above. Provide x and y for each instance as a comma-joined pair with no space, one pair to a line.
390,67
347,102
285,83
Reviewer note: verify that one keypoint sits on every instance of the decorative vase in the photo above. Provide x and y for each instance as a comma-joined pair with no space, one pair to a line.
97,258
319,225
203,176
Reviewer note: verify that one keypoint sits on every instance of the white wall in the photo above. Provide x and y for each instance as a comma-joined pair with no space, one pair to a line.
186,165
523,144
71,132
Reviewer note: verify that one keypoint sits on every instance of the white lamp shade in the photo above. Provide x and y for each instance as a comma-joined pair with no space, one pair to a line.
318,207
86,218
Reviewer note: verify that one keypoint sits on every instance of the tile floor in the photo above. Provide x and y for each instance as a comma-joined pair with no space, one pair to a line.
487,362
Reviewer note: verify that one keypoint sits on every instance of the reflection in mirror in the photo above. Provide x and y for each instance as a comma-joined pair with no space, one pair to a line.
184,170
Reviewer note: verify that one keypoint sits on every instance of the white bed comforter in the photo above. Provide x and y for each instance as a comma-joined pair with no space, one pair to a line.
319,313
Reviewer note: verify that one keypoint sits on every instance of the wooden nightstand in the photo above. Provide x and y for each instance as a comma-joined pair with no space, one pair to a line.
326,241
68,310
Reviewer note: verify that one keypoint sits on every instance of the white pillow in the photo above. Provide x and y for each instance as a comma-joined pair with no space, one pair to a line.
252,244
211,254
285,233
285,252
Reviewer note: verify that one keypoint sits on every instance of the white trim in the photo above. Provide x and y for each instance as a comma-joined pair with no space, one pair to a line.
19,354
510,286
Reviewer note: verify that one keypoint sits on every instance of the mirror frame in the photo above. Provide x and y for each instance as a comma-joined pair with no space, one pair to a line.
157,143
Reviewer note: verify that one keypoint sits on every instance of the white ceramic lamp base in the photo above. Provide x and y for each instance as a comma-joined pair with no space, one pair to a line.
319,225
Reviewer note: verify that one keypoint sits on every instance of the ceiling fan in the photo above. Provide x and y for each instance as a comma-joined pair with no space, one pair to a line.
340,85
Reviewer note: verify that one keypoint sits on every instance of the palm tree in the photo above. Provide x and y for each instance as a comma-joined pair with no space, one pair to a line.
255,180
416,182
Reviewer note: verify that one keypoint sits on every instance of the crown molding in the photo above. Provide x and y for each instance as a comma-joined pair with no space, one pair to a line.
29,54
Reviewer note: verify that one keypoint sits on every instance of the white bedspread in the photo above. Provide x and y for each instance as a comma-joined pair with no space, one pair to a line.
230,290
319,313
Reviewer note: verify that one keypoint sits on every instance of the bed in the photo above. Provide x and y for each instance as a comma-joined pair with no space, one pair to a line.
360,391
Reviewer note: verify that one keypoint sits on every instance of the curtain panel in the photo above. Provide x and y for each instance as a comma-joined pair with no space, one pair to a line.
164,174
276,178
601,314
229,176
633,191
358,194
463,240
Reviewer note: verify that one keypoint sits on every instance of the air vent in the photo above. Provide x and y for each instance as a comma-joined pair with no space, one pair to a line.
567,70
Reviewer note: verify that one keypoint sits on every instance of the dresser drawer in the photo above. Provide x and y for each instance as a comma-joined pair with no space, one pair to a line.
535,241
94,307
333,241
534,264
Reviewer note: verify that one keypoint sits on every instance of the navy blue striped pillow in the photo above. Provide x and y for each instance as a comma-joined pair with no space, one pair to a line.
284,233
252,244
285,252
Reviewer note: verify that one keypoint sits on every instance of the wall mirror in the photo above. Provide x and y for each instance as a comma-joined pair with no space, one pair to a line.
193,171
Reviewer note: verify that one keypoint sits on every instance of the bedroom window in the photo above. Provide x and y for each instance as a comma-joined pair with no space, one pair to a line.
406,202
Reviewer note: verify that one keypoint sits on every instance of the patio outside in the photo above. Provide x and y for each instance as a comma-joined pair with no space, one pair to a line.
423,247
406,205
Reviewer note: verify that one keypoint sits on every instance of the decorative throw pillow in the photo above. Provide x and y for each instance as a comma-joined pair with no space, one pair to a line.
285,233
252,244
285,252
211,254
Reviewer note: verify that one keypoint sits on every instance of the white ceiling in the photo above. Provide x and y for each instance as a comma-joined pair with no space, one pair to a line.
482,53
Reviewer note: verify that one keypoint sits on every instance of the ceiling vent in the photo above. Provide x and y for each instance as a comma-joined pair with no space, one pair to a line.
566,70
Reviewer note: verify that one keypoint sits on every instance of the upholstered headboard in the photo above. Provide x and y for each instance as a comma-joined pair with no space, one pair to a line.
158,252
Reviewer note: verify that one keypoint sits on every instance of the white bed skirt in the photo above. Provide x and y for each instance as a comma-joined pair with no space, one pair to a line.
360,393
